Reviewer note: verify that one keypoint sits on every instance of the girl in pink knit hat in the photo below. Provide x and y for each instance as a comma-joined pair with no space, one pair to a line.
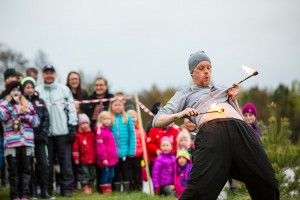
250,113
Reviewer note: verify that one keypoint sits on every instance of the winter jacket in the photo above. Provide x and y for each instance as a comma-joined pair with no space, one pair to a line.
138,141
124,136
84,147
91,106
154,137
182,174
106,147
30,119
84,96
163,170
1,152
2,96
40,132
255,127
61,115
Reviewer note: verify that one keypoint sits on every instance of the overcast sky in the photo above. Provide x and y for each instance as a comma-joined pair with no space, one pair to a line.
138,43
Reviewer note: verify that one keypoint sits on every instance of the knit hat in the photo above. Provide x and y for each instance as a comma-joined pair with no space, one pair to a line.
166,138
184,153
196,58
249,108
10,72
83,118
12,85
26,80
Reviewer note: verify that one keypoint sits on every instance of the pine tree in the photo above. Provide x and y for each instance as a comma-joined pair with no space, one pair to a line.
283,154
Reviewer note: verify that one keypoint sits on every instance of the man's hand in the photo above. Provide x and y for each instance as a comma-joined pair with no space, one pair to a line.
76,162
72,134
188,112
234,91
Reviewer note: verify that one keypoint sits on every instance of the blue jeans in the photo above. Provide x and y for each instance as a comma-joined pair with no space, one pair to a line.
107,175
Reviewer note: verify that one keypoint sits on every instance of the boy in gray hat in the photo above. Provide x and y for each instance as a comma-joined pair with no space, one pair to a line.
225,145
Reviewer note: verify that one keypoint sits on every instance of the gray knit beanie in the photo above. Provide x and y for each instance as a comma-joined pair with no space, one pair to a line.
196,58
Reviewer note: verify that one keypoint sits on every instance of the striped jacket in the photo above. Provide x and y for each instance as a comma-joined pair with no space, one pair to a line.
29,120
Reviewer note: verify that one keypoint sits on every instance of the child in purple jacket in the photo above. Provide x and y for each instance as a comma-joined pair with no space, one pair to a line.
163,169
107,156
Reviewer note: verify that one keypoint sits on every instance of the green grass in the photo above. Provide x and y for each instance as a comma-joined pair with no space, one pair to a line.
78,195
4,195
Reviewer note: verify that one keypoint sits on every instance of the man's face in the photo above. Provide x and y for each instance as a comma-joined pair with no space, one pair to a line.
202,73
10,79
49,76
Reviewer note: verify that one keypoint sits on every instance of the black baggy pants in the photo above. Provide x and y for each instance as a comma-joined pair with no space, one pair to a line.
229,148
19,171
60,146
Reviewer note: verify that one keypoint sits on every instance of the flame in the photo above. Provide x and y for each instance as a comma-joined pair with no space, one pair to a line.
216,108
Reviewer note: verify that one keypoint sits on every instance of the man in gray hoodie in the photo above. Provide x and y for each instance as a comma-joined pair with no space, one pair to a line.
225,145
63,122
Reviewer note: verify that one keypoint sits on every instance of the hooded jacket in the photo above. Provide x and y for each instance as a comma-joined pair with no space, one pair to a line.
61,116
163,170
24,137
182,174
84,147
124,136
154,137
106,147
40,132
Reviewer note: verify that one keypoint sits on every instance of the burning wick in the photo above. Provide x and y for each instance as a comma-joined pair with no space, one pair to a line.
214,109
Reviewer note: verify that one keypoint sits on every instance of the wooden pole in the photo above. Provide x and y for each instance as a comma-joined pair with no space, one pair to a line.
145,153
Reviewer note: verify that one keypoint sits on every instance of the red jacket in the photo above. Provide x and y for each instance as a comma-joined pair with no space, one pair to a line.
153,140
138,141
84,147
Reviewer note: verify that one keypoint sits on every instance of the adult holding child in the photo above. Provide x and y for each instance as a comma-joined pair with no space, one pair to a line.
225,145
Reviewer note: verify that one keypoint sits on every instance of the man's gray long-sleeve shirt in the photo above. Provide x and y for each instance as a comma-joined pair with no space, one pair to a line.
199,98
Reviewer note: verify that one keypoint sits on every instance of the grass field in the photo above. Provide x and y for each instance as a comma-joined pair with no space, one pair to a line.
236,195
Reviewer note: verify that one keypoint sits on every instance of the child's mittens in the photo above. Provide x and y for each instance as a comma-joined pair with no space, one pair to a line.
26,118
156,190
105,162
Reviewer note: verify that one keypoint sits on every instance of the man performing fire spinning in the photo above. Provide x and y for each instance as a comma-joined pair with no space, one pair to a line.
225,145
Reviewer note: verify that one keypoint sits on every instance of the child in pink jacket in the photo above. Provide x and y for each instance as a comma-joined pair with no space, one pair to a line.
107,156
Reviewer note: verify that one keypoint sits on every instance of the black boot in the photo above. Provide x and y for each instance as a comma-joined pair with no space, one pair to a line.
126,186
45,194
116,187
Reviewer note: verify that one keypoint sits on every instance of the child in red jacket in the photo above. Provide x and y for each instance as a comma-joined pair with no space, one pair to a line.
153,141
84,153
134,163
